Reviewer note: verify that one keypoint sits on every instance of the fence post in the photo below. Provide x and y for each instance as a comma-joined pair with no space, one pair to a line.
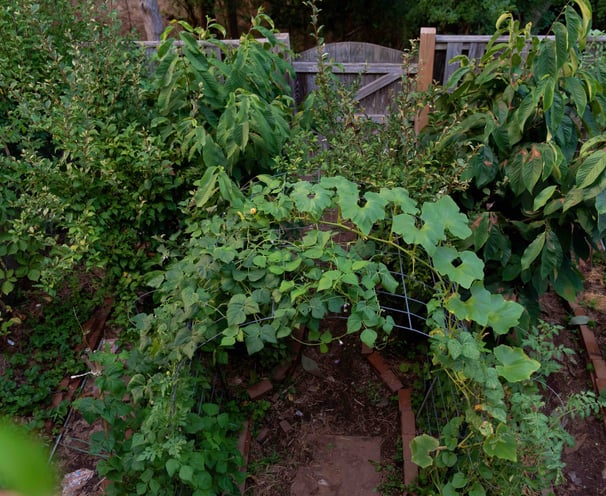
427,48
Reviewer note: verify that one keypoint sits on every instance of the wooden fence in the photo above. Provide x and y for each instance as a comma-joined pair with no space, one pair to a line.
378,71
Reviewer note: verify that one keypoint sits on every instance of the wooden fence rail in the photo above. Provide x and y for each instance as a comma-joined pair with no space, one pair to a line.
378,71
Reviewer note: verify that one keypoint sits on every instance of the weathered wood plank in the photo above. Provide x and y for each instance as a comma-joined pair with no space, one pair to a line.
378,84
427,49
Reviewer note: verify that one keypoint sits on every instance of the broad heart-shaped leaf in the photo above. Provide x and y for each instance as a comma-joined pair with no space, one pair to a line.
502,444
427,236
436,217
311,198
238,308
486,309
421,447
400,198
369,337
591,168
445,213
468,269
515,365
365,216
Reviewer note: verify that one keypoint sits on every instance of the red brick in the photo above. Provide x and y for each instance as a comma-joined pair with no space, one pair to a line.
366,350
376,360
387,376
244,448
260,389
590,341
599,367
391,381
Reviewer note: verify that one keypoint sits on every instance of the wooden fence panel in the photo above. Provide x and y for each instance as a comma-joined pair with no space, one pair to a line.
376,70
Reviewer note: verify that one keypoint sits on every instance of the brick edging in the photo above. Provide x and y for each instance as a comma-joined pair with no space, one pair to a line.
407,416
594,354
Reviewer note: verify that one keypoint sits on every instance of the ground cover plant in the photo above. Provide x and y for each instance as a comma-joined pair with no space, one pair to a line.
155,179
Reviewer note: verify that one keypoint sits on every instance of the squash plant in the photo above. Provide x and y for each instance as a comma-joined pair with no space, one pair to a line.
267,263
531,118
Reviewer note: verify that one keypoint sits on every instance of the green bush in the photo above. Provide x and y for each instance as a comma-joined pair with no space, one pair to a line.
528,120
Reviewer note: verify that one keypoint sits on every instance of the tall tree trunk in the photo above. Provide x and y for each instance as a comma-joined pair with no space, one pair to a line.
152,19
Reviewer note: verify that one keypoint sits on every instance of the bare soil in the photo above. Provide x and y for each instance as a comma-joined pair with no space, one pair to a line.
338,394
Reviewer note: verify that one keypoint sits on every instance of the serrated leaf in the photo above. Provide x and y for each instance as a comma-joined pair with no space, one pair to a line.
591,168
543,197
515,364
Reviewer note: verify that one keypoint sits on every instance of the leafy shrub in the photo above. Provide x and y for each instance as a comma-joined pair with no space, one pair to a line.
220,105
528,120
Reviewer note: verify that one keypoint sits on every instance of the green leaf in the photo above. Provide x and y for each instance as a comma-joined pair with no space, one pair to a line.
388,282
532,167
600,206
24,463
579,320
576,90
186,473
446,213
477,490
469,267
238,308
591,168
7,287
486,309
502,444
515,365
369,337
533,250
172,466
311,198
421,447
207,187
543,197
328,280
363,217
400,198
459,480
551,256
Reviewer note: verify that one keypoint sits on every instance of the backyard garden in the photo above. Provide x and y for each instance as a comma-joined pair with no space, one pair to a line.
187,255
